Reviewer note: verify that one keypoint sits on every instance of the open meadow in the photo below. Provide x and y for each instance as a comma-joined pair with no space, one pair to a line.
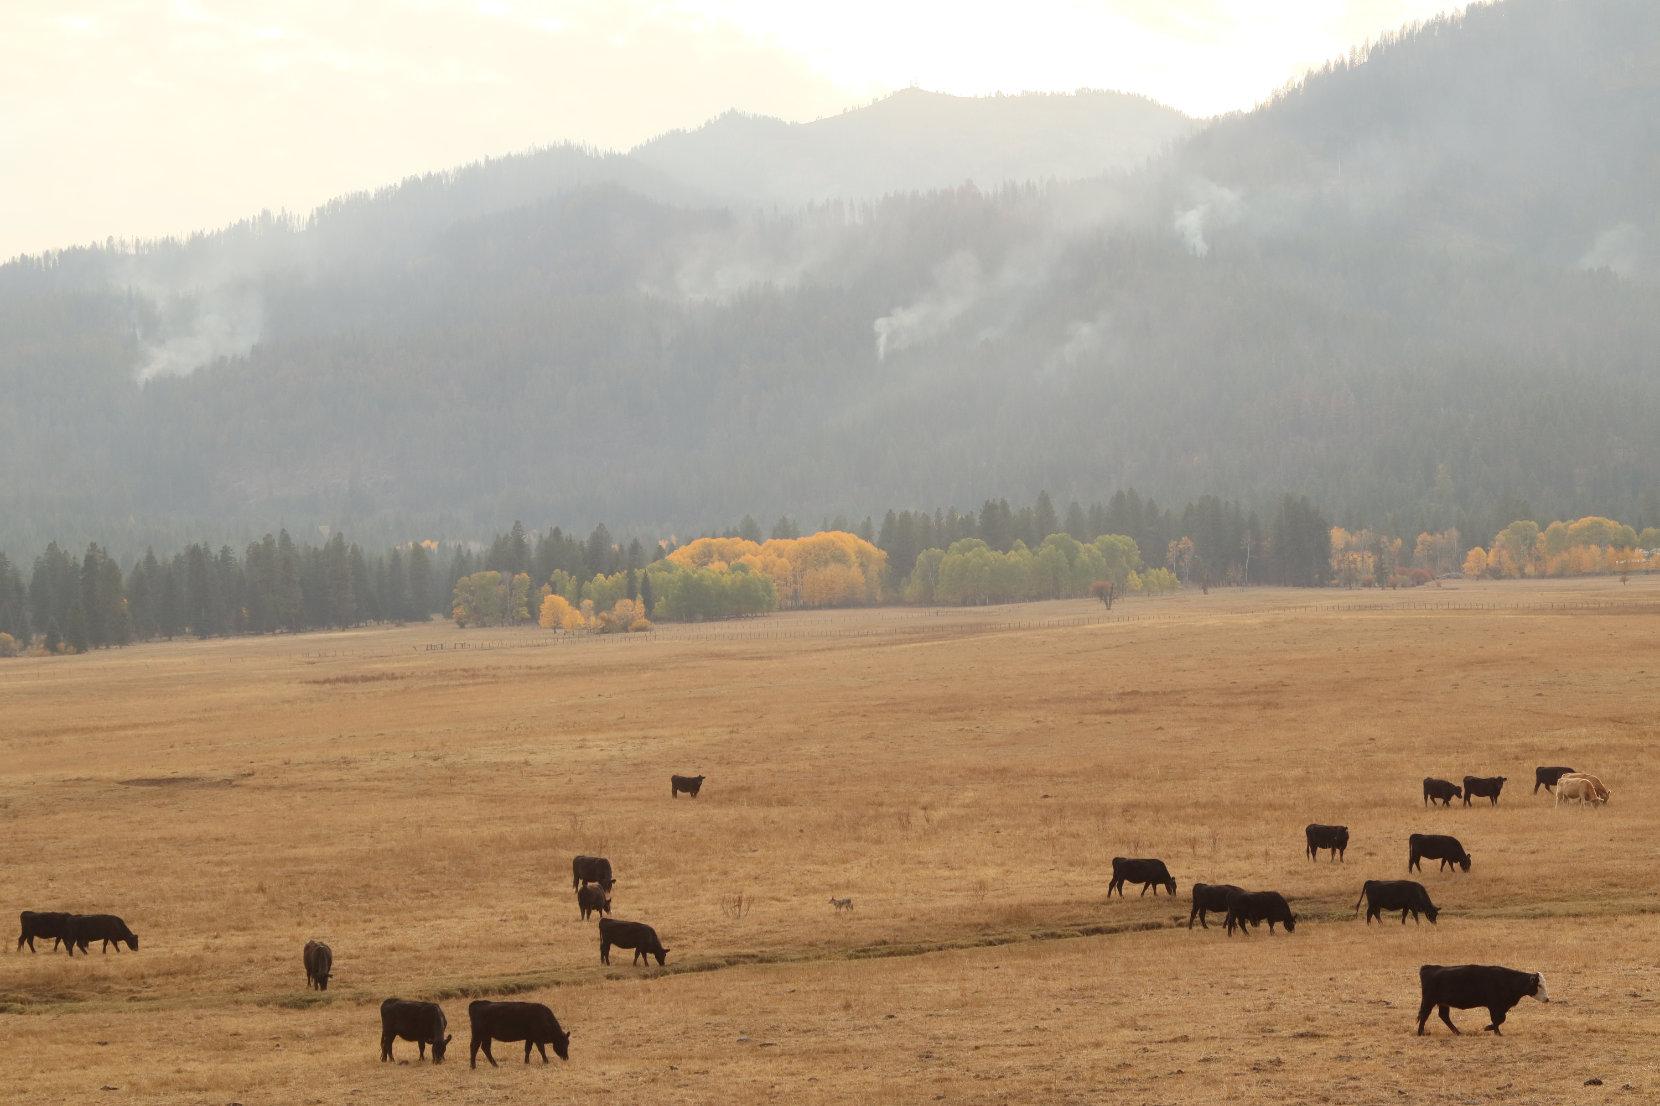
413,796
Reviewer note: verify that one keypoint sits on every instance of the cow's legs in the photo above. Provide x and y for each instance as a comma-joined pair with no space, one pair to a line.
488,1055
1498,1020
543,1049
1403,917
1446,1017
1423,1014
385,1046
604,951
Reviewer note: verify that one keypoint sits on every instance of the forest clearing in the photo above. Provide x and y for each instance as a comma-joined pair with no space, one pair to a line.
414,796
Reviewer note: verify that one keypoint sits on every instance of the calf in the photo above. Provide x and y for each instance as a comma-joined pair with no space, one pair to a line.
1469,985
421,1022
592,869
530,1022
1440,791
630,935
1148,873
319,962
86,928
1256,907
691,785
1217,897
842,904
43,924
1546,777
590,898
1489,786
1404,895
1436,846
1577,788
1335,838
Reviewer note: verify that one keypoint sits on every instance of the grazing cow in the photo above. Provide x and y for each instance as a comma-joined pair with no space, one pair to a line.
1490,786
842,904
1578,788
319,962
421,1022
590,898
691,785
1148,873
86,928
1207,897
1470,985
591,869
1546,777
1404,895
530,1022
1440,791
1255,907
1602,792
1436,846
43,924
1335,838
630,935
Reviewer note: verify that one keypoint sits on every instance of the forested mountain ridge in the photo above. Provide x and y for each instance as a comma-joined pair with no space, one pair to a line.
918,141
1345,294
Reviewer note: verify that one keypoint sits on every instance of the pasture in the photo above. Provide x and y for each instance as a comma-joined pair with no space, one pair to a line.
965,776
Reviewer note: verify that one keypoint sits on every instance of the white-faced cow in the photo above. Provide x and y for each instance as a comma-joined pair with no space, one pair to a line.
1335,838
1467,986
1150,873
530,1022
1487,786
1211,898
421,1022
1405,895
1436,846
1440,791
319,964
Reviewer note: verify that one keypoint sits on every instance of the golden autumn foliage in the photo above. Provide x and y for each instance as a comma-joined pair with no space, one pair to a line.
1590,546
829,569
558,614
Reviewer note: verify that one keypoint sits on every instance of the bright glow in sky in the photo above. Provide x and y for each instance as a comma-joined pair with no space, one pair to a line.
136,118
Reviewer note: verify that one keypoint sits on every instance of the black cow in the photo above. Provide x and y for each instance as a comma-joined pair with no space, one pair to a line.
590,899
1440,791
592,869
1546,777
1489,786
691,785
1256,907
530,1022
1404,895
1470,985
1335,838
630,935
319,962
1436,846
1211,897
86,928
1148,873
421,1022
43,924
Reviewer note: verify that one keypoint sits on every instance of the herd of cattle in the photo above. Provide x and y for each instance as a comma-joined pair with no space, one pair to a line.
1463,987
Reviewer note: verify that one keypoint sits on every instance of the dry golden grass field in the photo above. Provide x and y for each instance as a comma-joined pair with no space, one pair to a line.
965,776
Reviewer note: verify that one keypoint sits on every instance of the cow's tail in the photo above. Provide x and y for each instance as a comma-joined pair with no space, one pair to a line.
1362,898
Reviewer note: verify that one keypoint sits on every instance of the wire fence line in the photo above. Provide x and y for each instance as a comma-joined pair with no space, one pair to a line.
952,623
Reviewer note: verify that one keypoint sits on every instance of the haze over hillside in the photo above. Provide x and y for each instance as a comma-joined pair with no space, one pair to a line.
1417,287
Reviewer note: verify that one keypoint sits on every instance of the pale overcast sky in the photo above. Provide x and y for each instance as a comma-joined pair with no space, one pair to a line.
137,118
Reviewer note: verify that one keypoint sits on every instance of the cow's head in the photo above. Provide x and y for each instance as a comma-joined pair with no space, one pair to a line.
132,941
323,981
1457,792
662,955
1464,863
557,1037
1539,991
438,1046
1430,912
1290,922
606,885
1170,885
